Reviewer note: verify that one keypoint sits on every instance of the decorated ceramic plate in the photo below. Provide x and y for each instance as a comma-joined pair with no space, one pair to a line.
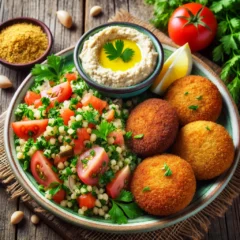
206,192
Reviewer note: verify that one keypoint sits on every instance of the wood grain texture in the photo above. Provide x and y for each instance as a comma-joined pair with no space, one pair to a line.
226,228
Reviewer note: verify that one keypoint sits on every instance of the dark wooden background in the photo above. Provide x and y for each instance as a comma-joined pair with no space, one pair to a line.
225,228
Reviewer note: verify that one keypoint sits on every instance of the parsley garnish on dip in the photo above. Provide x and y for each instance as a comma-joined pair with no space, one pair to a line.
168,171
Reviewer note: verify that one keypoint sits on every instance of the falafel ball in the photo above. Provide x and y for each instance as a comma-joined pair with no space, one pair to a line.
194,98
160,192
156,122
207,146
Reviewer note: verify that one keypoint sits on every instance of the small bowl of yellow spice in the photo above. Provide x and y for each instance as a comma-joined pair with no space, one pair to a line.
24,42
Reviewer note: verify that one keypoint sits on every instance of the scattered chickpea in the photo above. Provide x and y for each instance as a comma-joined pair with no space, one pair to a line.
35,219
17,217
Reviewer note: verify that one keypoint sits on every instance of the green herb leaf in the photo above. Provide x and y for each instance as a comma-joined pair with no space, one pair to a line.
104,129
186,93
54,169
146,189
25,165
199,97
193,107
127,55
132,210
139,136
55,190
208,128
106,177
91,116
125,196
117,51
128,135
168,171
117,214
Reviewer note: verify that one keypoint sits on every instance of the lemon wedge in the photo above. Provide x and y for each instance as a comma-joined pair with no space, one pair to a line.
178,65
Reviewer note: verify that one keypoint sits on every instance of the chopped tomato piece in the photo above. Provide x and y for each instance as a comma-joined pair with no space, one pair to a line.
31,97
59,196
120,182
79,105
30,128
83,135
58,93
71,76
59,159
118,137
92,164
66,114
110,115
87,200
97,103
41,169
91,125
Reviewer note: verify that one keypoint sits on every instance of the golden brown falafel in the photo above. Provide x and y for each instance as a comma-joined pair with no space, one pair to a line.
194,98
159,194
207,146
157,121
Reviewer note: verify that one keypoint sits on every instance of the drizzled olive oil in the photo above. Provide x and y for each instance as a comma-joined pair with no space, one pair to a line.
118,64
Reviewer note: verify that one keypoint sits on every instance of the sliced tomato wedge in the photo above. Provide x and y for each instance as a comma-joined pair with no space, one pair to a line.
31,97
58,93
59,196
71,76
41,169
79,105
110,115
120,182
31,128
83,135
66,114
97,103
87,200
118,137
90,166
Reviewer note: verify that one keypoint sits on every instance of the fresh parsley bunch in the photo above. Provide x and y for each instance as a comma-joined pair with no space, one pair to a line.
226,51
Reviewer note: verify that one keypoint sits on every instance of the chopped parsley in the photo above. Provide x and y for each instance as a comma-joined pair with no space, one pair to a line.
208,128
199,97
186,93
146,189
54,169
128,135
92,153
193,107
104,129
168,171
106,177
139,136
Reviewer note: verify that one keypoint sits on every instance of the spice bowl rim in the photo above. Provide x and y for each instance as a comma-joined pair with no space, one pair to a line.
123,90
36,22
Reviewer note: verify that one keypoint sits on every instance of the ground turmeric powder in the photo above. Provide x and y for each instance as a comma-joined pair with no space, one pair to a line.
22,43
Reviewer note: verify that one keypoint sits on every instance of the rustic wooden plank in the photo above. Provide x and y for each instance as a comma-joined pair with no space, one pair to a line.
109,9
7,230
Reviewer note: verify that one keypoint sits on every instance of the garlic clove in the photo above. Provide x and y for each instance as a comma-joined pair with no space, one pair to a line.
17,217
5,82
64,18
96,10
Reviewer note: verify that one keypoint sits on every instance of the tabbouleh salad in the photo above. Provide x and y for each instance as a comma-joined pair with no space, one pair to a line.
72,140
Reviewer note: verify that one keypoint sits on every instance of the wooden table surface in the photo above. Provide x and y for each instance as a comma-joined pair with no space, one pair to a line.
225,228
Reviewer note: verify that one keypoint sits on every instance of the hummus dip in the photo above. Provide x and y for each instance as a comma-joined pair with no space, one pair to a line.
117,79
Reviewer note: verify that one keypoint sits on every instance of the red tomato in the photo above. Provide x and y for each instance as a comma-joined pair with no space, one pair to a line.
118,137
198,30
79,105
59,196
110,115
87,200
31,128
66,114
91,125
97,103
58,93
83,135
41,169
71,76
59,159
90,167
31,97
120,181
